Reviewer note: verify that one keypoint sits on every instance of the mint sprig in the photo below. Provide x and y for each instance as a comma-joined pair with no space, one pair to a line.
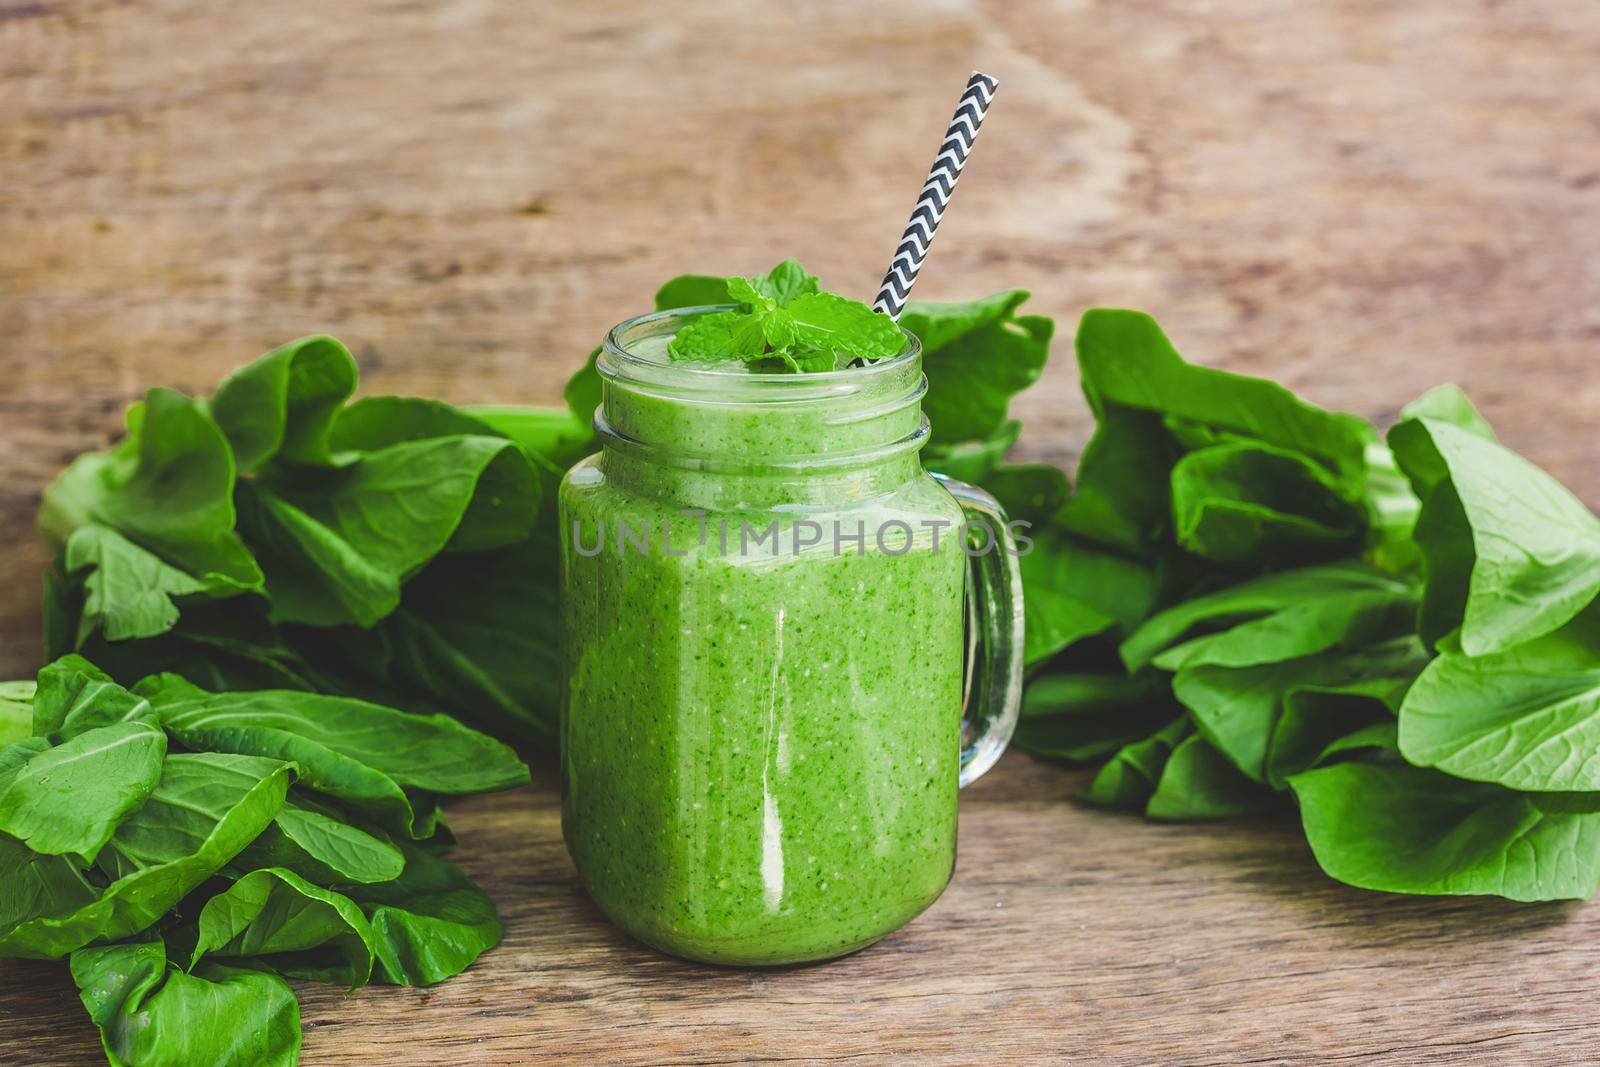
785,322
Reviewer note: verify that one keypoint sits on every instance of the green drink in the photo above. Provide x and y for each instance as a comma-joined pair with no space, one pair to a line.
764,617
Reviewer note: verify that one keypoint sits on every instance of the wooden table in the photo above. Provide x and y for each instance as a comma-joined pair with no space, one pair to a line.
1361,199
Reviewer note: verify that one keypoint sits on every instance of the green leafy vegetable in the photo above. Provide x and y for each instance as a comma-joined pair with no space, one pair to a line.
241,870
68,800
1083,717
203,811
1237,708
1511,554
224,540
286,923
1527,718
1075,590
976,355
73,695
167,488
478,633
16,711
1240,501
129,592
1276,617
154,1014
1127,362
429,923
1318,720
282,406
1129,778
1197,783
366,755
325,847
1403,829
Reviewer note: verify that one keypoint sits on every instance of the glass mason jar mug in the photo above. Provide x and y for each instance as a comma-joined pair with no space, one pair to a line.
765,625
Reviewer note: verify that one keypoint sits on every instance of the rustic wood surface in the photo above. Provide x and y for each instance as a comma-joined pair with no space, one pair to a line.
1359,198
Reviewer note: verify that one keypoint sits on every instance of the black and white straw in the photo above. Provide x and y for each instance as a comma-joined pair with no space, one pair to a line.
935,195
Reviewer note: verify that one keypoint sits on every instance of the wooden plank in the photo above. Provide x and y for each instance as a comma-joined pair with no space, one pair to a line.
1359,199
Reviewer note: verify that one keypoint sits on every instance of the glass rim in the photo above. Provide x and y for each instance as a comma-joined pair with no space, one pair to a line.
687,373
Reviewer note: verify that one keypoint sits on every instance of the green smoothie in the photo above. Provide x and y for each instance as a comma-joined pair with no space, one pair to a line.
761,730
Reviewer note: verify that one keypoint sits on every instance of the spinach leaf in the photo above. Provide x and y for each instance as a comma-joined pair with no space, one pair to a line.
552,436
973,461
691,290
323,847
1237,708
1405,829
364,754
73,695
373,423
35,884
14,755
1317,720
153,1014
584,390
430,923
1527,718
1124,489
1447,403
1076,590
480,635
16,711
203,811
166,487
976,355
1240,502
1279,616
1128,780
129,592
281,406
277,919
336,549
226,645
68,800
1029,492
1128,362
1083,717
1510,553
1197,782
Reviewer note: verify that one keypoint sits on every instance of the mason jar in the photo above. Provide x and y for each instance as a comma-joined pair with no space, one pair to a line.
773,618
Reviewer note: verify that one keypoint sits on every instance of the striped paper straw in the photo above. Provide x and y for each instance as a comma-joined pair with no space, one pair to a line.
974,104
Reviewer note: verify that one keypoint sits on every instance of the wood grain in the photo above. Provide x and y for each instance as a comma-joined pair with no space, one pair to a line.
1359,198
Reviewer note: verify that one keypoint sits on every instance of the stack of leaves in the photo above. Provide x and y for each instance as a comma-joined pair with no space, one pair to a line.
277,536
189,849
399,549
1244,604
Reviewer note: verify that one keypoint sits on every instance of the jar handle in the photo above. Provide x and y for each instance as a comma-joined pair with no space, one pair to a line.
992,682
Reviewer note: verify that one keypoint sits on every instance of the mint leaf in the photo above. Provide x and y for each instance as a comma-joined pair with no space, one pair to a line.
825,320
717,337
778,327
786,282
743,291
814,362
784,322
